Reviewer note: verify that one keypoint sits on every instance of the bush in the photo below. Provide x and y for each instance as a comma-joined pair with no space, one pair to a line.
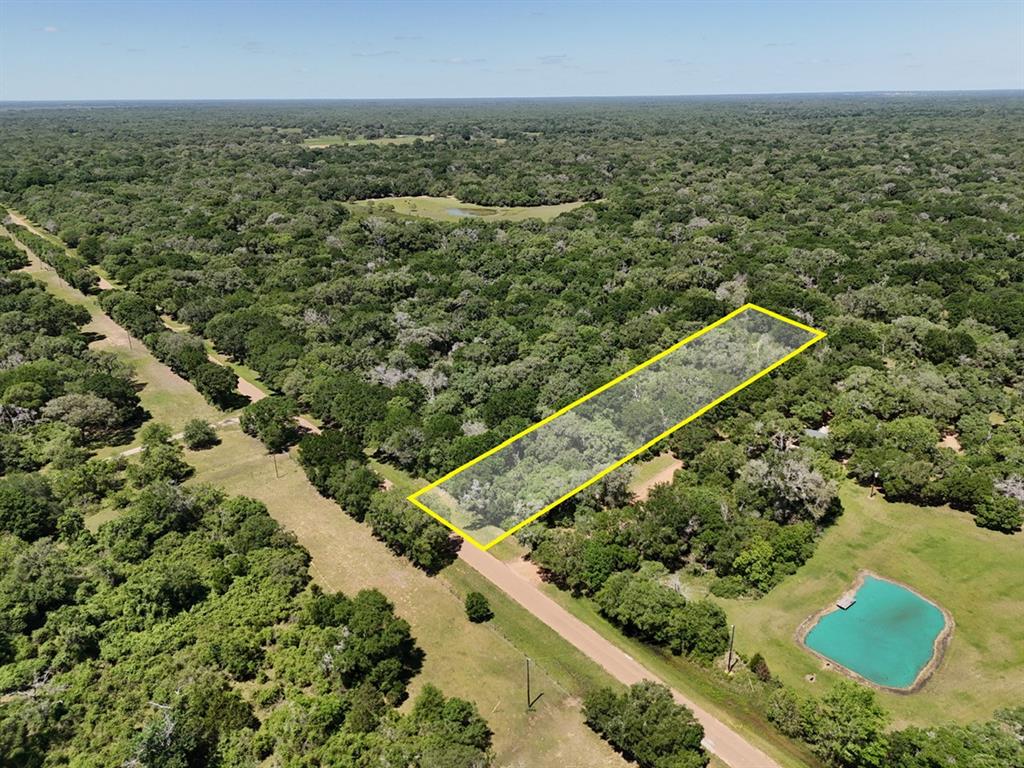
199,435
647,726
760,668
477,608
1000,513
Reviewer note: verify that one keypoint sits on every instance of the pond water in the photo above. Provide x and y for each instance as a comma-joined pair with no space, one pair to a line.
462,212
887,636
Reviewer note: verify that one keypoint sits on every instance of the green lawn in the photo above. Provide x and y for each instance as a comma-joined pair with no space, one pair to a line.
975,574
320,142
441,208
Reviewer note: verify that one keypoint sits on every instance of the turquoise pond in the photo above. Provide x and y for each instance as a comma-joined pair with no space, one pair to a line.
887,636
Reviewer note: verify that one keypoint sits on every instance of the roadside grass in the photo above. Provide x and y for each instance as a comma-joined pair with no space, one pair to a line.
484,663
333,140
439,209
645,471
975,574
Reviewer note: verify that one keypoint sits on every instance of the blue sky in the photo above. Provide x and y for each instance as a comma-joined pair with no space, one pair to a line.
173,50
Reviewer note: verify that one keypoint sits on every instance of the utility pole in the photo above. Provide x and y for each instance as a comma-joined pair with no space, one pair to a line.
529,698
276,473
732,640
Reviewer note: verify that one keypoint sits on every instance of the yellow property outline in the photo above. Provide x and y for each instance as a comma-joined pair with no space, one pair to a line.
414,497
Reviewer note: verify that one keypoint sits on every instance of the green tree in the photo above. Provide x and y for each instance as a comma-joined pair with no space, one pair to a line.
1000,513
272,420
199,434
647,726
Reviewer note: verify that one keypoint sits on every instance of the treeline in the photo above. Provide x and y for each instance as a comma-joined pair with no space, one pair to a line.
336,465
73,270
647,726
847,728
184,353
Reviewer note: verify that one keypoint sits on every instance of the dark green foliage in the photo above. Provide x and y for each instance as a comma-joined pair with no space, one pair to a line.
408,531
159,462
183,352
27,507
320,455
894,224
846,727
72,269
477,608
647,726
759,667
353,485
645,607
132,645
11,256
1000,513
272,420
217,383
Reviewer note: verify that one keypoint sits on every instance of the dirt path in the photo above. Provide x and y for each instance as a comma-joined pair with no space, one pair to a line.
17,218
662,477
230,421
719,738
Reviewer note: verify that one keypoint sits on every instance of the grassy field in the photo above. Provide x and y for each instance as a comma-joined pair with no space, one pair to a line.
484,663
453,209
975,574
320,142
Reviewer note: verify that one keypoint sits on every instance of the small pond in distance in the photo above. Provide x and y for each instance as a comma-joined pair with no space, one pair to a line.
464,212
887,636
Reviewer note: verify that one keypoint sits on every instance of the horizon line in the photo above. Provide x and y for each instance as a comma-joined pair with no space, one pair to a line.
736,94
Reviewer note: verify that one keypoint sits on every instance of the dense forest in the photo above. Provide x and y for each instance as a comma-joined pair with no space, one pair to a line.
894,224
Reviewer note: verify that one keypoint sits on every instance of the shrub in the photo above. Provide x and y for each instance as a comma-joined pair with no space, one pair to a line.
477,608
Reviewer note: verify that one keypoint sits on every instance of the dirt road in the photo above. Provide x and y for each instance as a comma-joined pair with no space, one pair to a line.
719,738
254,393
17,218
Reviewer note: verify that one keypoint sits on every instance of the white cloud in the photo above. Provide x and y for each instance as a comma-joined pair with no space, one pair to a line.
459,60
553,59
49,29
